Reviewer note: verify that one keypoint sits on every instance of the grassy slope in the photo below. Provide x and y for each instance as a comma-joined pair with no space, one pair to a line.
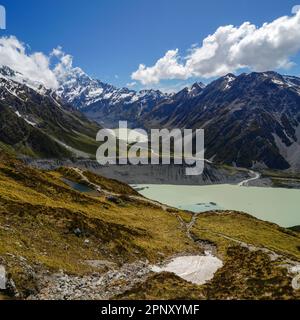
55,124
39,213
247,229
282,179
248,274
16,134
164,286
105,183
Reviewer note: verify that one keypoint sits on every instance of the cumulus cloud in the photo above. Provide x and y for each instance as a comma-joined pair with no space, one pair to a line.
35,66
295,9
229,49
48,70
64,65
168,67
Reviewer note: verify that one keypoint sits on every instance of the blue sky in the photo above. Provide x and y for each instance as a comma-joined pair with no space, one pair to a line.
110,38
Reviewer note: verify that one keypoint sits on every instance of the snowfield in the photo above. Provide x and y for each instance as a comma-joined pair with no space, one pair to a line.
195,269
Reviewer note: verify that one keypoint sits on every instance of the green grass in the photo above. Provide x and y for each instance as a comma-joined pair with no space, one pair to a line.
250,275
39,213
164,286
105,183
246,228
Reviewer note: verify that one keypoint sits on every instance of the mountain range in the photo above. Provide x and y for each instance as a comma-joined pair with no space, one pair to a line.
105,103
250,120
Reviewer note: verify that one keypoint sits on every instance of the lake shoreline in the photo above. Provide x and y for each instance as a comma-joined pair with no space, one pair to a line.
214,174
276,205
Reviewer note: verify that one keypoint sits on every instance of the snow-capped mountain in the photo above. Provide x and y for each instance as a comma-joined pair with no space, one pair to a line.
248,119
34,120
15,78
103,102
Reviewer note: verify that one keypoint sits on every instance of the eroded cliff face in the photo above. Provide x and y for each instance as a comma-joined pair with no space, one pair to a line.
151,174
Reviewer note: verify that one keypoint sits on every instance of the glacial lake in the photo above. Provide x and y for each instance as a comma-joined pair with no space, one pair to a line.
278,205
80,187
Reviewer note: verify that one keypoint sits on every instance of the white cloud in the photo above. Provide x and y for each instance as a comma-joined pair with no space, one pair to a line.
34,66
46,70
131,84
57,52
167,67
295,9
229,49
64,65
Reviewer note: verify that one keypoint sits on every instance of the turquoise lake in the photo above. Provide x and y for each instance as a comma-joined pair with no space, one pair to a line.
278,205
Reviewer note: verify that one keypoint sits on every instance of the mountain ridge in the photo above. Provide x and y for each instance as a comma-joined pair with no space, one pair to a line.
103,102
250,120
35,121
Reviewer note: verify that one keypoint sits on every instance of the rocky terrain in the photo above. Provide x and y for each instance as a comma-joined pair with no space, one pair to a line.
150,174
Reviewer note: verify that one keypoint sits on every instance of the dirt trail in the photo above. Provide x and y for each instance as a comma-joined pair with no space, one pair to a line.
186,226
292,266
109,193
190,226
